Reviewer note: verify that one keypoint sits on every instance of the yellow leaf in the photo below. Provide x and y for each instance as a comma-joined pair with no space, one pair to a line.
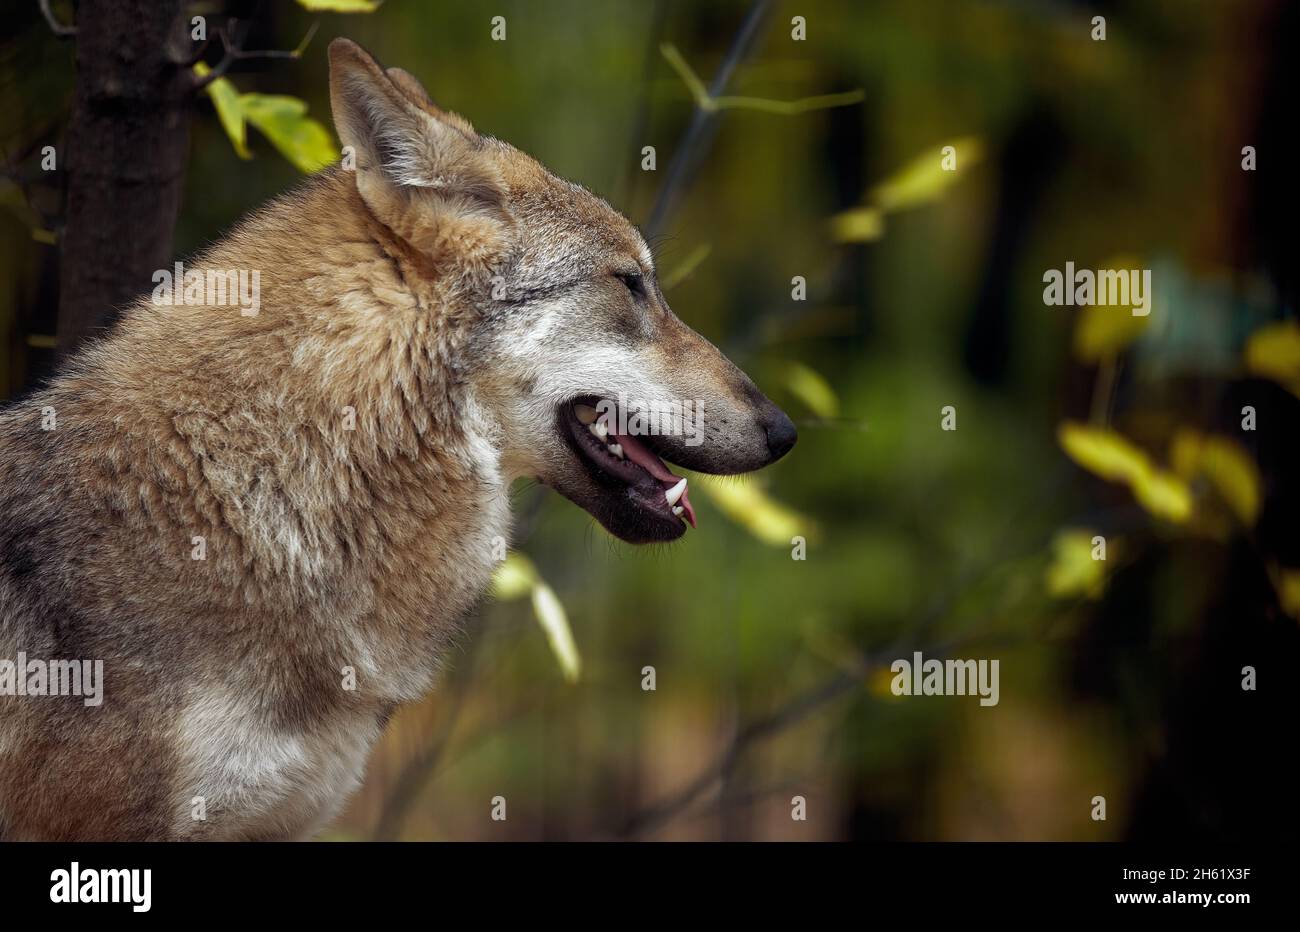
751,508
514,577
924,179
283,120
1235,475
1103,451
550,615
859,225
1288,591
225,100
340,6
1105,329
1107,454
1163,495
1073,571
1185,452
1226,464
1274,352
812,389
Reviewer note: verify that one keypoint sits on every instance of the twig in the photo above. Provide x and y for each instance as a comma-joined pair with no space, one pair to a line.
232,35
701,121
60,30
194,58
712,103
688,265
759,730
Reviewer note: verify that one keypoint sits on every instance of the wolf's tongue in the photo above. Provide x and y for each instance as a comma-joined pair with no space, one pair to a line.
640,454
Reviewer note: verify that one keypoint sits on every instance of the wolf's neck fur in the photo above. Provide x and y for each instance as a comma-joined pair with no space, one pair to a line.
328,452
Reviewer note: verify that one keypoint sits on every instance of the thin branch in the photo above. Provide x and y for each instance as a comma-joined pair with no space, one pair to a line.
761,729
232,35
712,103
196,56
60,30
688,265
685,157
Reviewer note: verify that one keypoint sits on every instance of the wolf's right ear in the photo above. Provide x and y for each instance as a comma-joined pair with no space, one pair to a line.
409,152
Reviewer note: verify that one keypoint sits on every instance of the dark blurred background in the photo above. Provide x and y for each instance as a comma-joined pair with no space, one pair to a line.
1120,679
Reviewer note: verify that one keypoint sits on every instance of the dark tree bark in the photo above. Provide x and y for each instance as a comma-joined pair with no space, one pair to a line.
126,150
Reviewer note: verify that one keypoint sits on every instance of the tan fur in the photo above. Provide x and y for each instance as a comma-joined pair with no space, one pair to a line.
328,549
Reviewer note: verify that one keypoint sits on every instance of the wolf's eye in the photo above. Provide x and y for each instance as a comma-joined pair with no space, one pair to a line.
634,282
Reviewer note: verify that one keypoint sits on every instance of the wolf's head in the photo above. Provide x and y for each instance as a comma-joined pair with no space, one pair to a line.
588,378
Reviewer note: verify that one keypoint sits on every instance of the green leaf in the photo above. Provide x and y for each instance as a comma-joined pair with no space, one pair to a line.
340,6
812,389
1073,571
283,120
225,99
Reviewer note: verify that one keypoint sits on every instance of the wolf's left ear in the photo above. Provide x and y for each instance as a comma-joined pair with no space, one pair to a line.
414,91
412,156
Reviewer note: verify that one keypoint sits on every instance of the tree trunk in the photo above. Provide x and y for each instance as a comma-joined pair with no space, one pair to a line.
126,150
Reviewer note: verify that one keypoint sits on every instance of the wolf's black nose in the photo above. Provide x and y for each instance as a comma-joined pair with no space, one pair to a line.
781,432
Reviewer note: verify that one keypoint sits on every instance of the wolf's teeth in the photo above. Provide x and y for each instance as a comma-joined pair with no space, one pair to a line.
677,510
616,449
675,492
586,413
599,429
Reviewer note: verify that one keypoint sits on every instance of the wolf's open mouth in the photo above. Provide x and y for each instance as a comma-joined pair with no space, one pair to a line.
623,462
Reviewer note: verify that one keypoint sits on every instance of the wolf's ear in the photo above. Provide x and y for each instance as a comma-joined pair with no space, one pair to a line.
417,166
414,91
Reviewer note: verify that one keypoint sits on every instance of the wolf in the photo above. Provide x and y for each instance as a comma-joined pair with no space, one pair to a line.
270,526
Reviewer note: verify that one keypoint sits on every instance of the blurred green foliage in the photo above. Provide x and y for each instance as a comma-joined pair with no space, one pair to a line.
914,536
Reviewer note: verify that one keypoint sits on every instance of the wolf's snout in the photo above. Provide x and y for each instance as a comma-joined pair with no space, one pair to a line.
780,431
